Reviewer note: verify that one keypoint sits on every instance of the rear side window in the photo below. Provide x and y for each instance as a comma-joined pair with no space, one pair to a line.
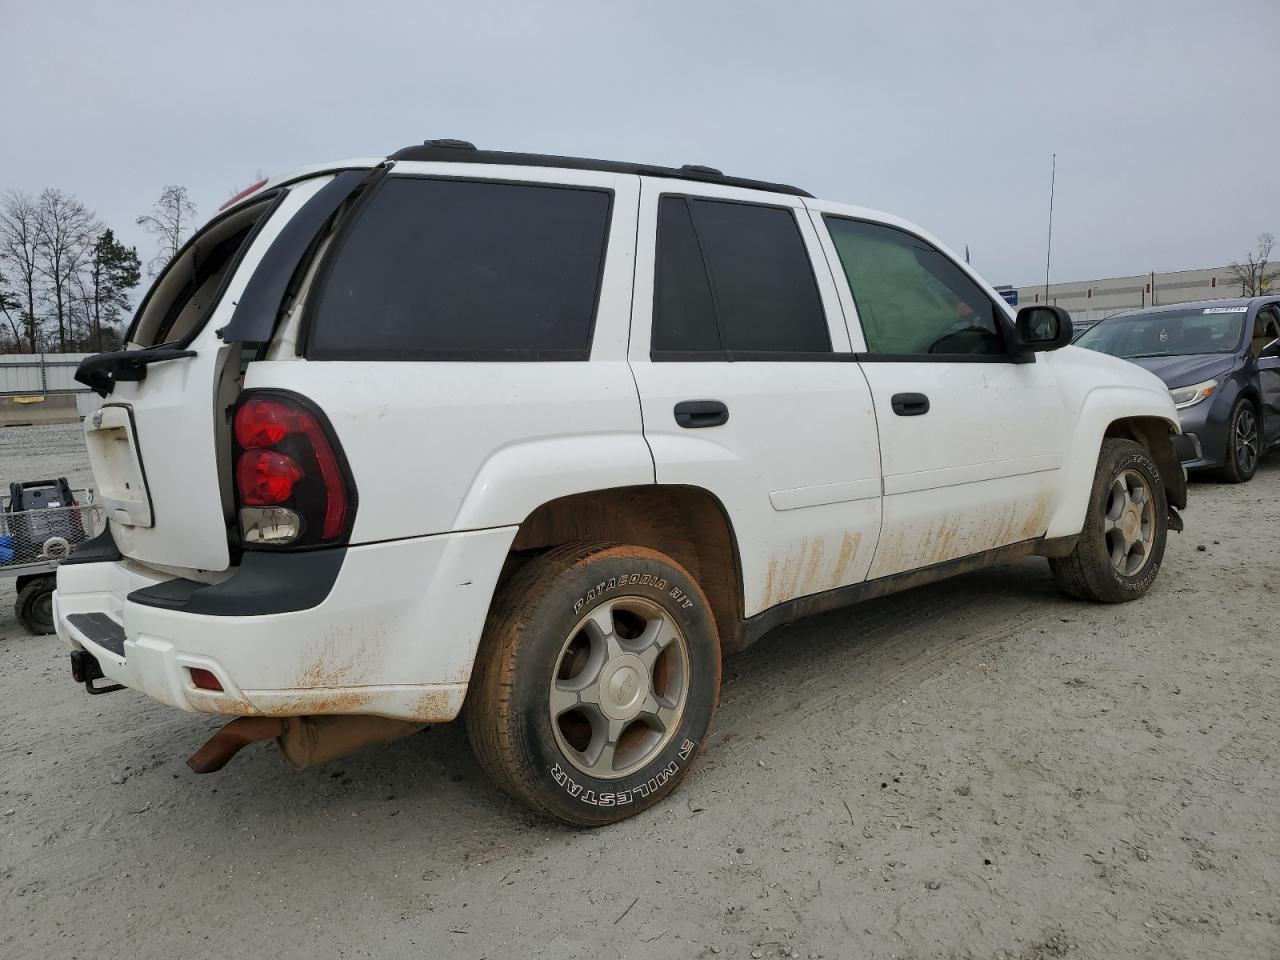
465,270
733,278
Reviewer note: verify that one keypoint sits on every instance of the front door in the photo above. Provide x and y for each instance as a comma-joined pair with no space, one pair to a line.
1267,350
971,441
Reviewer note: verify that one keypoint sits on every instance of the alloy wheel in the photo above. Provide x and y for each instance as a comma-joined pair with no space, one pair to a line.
1246,440
1129,525
619,688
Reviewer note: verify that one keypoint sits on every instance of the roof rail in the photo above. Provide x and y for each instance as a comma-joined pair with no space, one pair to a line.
462,151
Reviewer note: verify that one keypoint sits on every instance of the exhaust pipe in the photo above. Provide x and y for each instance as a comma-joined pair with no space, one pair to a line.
304,741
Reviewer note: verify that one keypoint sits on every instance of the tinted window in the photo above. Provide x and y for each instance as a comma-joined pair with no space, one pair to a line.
452,269
911,298
684,316
735,277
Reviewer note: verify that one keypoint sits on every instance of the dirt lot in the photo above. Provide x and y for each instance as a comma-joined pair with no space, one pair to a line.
975,769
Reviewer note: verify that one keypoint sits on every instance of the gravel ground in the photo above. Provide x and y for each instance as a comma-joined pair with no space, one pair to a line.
979,768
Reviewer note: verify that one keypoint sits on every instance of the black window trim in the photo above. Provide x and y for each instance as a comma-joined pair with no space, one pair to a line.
731,356
343,233
997,311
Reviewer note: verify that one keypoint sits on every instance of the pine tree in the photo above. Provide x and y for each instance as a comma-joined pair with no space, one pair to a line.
114,271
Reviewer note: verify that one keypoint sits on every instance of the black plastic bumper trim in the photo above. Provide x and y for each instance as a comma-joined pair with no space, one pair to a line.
101,629
99,549
1187,447
264,583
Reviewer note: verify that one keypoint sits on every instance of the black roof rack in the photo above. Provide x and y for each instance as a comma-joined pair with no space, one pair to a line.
461,151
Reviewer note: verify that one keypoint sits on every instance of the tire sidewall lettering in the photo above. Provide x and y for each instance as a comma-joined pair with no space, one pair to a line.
611,584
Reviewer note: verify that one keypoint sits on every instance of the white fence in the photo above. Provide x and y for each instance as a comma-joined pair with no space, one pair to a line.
32,373
42,374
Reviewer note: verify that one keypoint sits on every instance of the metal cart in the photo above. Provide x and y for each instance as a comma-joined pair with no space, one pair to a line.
31,544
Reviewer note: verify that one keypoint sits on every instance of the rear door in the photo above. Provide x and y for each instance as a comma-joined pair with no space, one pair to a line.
153,444
971,440
748,387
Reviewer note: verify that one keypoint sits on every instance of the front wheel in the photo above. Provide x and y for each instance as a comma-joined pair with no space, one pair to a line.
596,681
1241,460
1122,543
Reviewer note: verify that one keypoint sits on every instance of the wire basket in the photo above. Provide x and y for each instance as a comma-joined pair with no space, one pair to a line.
42,537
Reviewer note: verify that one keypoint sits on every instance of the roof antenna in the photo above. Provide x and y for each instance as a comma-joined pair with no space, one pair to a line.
1053,174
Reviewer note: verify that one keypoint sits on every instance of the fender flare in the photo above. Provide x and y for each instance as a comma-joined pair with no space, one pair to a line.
517,479
1102,407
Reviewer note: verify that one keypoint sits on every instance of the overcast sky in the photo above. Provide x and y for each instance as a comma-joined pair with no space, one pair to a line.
1162,114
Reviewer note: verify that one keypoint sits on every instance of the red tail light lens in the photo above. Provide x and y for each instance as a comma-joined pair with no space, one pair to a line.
266,478
262,423
288,460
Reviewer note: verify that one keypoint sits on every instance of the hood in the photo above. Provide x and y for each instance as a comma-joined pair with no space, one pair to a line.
1184,371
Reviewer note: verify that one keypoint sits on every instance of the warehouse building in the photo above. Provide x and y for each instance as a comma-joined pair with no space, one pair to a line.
1090,300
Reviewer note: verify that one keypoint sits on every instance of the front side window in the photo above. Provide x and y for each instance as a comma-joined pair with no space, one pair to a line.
465,270
734,278
911,298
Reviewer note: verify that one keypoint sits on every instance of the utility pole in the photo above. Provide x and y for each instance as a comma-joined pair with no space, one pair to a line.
1053,175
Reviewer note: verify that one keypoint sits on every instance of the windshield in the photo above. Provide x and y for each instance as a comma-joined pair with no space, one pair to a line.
1173,333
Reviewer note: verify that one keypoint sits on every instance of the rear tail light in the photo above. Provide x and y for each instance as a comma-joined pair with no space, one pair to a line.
293,487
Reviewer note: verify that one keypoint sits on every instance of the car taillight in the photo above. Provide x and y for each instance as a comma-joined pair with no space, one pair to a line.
293,487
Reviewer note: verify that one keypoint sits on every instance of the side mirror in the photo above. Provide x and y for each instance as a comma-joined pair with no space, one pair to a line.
1043,327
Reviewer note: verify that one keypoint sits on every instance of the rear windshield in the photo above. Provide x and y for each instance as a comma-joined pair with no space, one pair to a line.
464,270
188,289
1173,333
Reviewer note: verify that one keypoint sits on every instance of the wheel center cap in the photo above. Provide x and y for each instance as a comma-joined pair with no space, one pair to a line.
1130,523
623,687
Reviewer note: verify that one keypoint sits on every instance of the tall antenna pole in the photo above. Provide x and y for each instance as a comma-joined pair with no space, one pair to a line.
1053,175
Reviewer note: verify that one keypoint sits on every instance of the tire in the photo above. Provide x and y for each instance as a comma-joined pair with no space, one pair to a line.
1104,567
568,632
35,605
1240,464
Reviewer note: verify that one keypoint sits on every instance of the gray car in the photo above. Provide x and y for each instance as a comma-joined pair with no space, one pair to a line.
1221,362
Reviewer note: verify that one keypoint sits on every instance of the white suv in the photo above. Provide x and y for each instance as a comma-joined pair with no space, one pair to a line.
542,439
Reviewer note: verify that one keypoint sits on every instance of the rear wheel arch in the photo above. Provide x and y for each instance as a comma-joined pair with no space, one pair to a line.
687,523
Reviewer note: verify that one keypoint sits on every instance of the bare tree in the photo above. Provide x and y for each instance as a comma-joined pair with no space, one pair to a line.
10,309
1257,273
19,253
64,247
170,221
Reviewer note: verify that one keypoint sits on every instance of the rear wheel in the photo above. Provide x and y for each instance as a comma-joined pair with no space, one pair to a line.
597,679
1122,543
34,606
1241,460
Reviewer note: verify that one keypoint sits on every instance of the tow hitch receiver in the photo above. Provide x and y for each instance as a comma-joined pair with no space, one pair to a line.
85,669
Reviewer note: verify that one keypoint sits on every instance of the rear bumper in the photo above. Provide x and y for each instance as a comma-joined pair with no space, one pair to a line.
395,636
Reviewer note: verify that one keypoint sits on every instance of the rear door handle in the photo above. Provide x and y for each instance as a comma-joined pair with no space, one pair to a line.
909,404
692,414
